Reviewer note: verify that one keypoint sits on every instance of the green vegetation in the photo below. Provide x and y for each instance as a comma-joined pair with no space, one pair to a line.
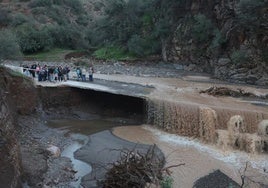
9,48
239,56
167,182
33,40
50,24
120,29
114,53
202,29
51,55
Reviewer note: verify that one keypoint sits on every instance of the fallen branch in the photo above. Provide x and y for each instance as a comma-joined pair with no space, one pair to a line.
136,169
224,91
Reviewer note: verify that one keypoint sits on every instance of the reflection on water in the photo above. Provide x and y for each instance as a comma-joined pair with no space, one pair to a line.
81,167
86,127
78,131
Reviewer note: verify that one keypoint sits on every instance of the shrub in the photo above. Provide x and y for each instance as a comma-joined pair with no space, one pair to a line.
218,39
136,45
4,17
202,29
109,53
40,3
76,5
239,56
82,20
9,48
57,13
249,13
143,46
33,40
167,182
112,53
68,36
18,19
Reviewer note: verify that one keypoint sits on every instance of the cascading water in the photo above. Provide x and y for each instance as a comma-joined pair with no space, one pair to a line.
172,117
224,127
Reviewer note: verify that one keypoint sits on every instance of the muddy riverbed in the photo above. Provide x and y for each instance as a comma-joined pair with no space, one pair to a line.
87,140
66,131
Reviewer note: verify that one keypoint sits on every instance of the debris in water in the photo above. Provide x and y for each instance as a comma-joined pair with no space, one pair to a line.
225,91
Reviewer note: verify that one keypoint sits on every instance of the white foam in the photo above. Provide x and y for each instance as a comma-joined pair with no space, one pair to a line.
235,158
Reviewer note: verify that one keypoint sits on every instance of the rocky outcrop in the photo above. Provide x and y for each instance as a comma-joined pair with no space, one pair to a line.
225,38
15,96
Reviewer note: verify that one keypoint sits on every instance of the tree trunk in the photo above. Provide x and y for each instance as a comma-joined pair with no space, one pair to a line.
164,50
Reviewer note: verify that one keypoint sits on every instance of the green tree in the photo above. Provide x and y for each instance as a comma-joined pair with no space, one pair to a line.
9,48
251,15
32,40
68,36
5,17
166,13
202,29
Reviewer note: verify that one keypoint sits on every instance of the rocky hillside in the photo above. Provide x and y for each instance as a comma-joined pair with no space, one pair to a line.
226,38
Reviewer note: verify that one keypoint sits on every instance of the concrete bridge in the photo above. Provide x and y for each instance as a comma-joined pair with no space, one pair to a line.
185,90
102,83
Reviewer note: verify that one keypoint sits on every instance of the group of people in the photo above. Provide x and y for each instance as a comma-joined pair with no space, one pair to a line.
55,73
50,73
81,73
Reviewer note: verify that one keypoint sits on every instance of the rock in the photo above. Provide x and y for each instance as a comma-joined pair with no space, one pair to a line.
221,72
263,81
251,79
238,77
191,67
223,61
54,150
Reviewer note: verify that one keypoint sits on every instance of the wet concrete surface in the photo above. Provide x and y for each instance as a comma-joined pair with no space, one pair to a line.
114,87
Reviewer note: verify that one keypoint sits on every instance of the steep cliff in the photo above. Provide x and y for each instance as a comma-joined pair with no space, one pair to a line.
17,95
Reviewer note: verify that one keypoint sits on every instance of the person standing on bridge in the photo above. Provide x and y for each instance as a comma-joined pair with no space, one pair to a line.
78,73
90,73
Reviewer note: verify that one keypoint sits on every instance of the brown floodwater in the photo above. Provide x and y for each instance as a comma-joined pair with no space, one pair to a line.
85,127
200,159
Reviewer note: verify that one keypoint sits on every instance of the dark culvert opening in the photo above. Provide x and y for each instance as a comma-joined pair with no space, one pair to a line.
95,102
113,103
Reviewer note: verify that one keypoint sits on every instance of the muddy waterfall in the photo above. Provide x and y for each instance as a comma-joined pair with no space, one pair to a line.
244,130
